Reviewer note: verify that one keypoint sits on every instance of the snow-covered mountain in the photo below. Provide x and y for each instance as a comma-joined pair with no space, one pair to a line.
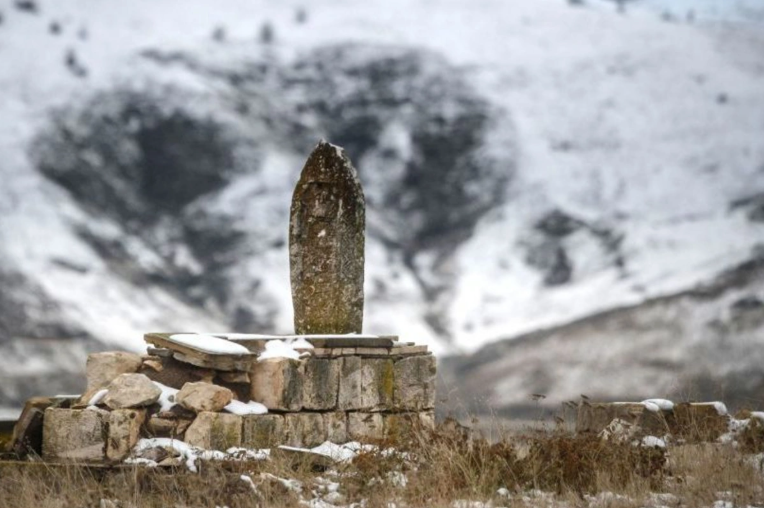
526,163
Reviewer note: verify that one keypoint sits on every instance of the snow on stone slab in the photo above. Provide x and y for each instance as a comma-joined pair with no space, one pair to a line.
281,349
656,405
758,415
249,408
209,344
720,407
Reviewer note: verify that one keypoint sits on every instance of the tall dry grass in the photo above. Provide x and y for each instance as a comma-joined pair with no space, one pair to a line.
550,467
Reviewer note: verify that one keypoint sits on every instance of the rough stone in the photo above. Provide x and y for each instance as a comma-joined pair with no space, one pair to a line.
277,383
215,431
326,245
336,425
403,426
365,426
175,373
27,433
263,431
75,434
304,429
322,378
699,422
131,390
103,368
202,396
157,426
595,417
415,383
124,432
366,384
234,377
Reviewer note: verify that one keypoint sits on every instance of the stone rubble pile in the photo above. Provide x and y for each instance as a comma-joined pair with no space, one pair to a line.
335,394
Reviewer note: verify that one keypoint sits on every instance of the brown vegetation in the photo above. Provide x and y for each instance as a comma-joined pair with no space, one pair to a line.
426,469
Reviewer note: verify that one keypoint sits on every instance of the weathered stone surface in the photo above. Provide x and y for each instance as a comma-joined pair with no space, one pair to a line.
27,433
595,417
75,434
234,377
277,383
131,390
322,381
124,432
415,383
215,431
167,427
427,419
202,396
366,384
326,245
699,422
304,429
175,373
103,368
404,426
365,426
336,425
263,431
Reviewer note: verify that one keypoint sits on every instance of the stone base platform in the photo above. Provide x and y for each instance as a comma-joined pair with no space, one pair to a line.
340,390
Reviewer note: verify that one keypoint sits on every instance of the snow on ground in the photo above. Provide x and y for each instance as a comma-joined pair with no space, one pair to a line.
648,127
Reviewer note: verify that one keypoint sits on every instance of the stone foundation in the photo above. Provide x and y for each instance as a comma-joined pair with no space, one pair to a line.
340,394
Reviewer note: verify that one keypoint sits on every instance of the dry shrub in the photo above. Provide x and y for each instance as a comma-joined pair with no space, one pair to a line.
562,462
751,438
702,472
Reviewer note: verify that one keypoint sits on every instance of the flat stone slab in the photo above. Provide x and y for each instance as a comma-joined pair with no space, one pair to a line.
212,357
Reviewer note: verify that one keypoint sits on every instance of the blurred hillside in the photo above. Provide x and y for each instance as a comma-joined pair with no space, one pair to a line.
527,164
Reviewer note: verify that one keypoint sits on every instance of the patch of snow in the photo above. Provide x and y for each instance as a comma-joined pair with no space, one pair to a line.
250,408
139,461
653,442
167,397
97,397
246,479
759,415
248,454
289,483
280,349
210,344
656,405
186,451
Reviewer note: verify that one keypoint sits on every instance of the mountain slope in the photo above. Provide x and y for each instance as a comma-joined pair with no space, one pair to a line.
526,163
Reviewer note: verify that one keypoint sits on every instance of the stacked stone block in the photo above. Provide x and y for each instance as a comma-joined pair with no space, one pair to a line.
333,394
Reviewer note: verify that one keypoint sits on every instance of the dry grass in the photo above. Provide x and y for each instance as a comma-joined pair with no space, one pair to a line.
429,469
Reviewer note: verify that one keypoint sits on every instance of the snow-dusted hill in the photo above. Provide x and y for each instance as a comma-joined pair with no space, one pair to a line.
526,163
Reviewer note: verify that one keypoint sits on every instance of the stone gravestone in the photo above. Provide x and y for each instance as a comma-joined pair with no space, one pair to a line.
326,245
